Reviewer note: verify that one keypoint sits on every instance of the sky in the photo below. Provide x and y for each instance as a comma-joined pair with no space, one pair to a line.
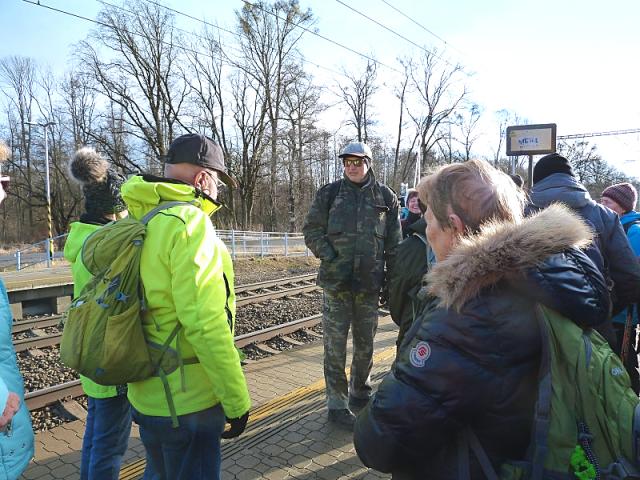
569,62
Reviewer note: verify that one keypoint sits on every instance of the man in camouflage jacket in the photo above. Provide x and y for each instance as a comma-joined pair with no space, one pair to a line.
353,227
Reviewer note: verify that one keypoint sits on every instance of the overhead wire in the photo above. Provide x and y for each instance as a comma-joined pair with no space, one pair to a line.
423,27
363,55
39,3
178,12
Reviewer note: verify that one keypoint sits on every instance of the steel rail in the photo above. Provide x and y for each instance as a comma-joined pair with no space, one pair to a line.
26,325
54,339
37,342
274,283
51,395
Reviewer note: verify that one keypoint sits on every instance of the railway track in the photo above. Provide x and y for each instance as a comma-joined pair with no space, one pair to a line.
246,295
51,395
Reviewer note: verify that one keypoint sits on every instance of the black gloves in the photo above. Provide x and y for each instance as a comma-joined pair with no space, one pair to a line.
237,426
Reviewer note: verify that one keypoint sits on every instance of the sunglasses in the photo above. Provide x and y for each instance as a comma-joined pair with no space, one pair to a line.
219,183
352,162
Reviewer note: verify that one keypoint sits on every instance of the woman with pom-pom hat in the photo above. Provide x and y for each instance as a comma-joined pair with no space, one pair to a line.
109,413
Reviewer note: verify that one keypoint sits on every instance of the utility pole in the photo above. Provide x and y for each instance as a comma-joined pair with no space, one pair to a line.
49,248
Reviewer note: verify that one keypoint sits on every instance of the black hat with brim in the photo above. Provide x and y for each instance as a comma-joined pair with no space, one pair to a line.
202,151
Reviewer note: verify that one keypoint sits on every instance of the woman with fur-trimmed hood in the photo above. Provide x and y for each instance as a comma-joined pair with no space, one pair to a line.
471,359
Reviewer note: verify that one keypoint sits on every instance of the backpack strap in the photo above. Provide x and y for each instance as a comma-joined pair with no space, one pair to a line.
468,440
542,412
165,346
162,206
630,224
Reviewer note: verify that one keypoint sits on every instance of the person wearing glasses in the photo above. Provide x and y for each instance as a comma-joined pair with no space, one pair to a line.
16,433
353,227
187,275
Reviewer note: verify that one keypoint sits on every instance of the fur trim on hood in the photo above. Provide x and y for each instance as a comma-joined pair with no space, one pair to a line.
5,152
502,250
88,166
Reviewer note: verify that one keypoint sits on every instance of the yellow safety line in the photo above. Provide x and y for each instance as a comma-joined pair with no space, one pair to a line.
270,408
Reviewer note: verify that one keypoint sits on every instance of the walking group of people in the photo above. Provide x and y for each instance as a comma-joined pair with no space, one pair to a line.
478,260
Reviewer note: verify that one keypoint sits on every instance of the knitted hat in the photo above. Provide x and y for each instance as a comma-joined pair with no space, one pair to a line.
624,194
100,184
550,164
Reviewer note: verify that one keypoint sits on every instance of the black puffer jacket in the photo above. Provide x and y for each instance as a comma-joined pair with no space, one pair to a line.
412,260
472,359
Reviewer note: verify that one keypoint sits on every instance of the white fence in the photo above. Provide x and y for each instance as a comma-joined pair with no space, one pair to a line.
262,244
240,244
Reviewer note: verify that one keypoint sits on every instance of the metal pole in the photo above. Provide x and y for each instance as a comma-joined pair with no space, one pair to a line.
233,244
530,172
286,244
49,219
262,244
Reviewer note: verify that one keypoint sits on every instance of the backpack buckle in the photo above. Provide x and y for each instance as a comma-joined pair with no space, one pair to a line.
621,470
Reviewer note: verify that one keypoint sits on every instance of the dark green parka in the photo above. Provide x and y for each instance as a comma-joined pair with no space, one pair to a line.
353,229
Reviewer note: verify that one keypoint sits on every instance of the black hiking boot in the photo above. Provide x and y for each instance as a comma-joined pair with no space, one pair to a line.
342,417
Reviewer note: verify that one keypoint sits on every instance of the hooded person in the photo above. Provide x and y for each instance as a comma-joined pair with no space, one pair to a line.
108,421
622,199
472,358
554,181
187,275
16,433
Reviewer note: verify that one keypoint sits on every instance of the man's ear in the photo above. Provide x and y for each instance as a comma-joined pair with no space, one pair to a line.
457,224
200,181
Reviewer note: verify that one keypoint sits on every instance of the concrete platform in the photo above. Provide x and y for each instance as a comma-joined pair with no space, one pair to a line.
288,435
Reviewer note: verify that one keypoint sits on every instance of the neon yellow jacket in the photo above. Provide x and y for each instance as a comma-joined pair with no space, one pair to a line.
72,252
187,275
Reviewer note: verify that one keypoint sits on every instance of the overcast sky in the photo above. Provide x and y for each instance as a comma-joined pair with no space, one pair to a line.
570,62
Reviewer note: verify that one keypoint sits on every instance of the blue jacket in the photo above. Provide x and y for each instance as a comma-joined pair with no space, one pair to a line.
633,235
16,443
610,250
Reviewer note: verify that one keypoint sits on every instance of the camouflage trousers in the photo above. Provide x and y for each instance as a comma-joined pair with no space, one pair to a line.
341,310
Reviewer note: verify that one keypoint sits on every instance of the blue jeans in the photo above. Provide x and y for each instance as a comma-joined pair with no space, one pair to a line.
105,438
189,452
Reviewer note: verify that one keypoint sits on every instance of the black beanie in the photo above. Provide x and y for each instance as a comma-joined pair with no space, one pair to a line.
104,197
550,164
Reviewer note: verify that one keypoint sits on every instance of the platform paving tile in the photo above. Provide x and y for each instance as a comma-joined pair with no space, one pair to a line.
65,471
306,448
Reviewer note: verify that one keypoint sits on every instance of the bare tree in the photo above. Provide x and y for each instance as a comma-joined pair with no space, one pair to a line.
18,76
249,113
467,123
357,93
438,98
400,93
301,108
143,75
269,35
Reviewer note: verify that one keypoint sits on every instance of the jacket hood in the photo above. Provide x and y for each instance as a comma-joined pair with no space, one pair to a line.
629,217
507,251
560,187
419,226
75,240
142,193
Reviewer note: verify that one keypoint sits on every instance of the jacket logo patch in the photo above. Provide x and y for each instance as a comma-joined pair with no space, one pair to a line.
420,354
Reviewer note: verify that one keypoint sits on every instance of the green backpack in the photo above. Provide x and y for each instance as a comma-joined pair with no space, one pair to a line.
587,418
103,338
